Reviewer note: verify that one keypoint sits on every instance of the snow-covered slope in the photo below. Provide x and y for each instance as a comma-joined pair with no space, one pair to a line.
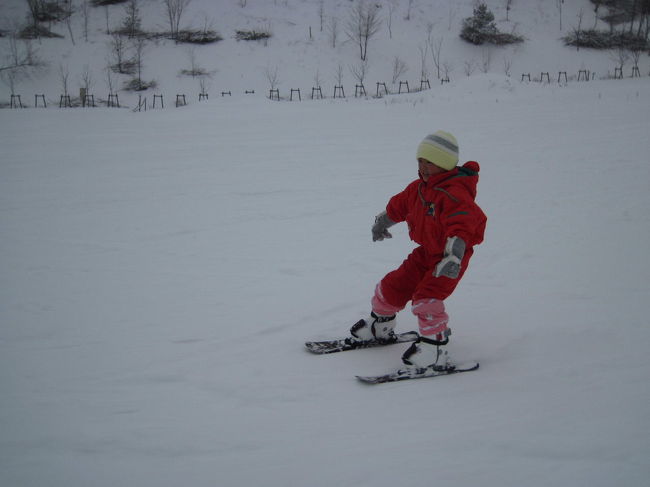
239,66
160,271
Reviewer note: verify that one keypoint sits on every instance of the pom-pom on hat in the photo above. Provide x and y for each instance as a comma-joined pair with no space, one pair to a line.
440,149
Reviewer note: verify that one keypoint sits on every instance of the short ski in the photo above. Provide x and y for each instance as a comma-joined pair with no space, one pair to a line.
415,373
345,344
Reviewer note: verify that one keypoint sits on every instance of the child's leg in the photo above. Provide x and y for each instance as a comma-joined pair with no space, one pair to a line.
396,288
432,318
429,350
382,307
429,306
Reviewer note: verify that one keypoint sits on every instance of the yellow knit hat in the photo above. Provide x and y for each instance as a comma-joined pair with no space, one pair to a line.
440,149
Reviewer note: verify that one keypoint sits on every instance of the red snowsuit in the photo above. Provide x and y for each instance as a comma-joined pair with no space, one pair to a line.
442,207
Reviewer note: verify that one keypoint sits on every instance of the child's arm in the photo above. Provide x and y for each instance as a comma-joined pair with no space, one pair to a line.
449,266
395,212
381,226
463,219
464,224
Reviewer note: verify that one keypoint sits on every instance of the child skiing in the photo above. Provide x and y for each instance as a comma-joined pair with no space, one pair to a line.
446,223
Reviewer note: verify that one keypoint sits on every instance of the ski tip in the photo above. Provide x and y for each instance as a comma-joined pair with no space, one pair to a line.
368,380
314,347
465,367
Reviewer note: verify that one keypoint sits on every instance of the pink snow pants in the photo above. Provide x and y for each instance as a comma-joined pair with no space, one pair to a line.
414,281
432,317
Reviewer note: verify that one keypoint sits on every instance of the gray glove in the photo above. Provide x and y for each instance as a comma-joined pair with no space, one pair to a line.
449,266
381,226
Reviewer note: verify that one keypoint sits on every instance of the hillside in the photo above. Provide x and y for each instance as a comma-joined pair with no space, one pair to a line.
299,61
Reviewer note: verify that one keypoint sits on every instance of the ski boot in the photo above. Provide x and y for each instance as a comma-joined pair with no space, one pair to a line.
376,327
428,351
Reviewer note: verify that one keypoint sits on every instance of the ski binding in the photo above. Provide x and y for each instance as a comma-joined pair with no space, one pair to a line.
345,344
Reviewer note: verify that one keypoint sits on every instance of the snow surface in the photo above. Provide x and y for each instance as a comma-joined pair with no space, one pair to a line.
160,272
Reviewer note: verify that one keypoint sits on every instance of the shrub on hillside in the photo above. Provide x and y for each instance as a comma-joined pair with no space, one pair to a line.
502,39
251,35
125,67
198,36
36,31
48,11
101,3
480,28
605,40
136,84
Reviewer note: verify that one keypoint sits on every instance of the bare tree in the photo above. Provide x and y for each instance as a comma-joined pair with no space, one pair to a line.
9,77
597,5
644,17
507,65
359,71
317,79
399,68
132,21
118,48
64,75
333,30
271,74
508,8
196,70
86,79
578,30
175,9
321,13
486,59
392,7
632,13
19,63
424,52
436,49
107,15
338,75
35,7
447,67
430,27
203,85
636,55
85,18
408,9
138,59
19,60
363,25
620,56
452,11
109,77
68,21
469,67
207,30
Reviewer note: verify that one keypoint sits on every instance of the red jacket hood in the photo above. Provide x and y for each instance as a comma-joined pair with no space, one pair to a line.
465,176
